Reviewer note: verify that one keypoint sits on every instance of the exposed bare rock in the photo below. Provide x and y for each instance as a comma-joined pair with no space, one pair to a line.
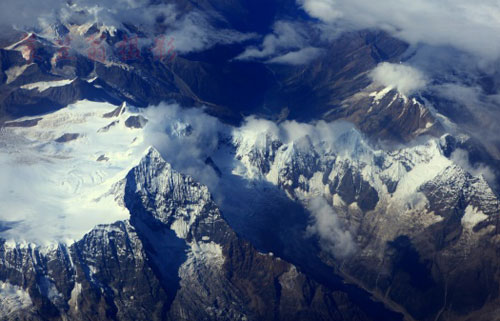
24,123
136,122
67,137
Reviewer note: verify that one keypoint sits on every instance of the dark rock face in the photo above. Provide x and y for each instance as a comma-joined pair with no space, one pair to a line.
102,158
115,113
456,267
116,280
109,126
67,137
136,122
412,278
20,102
24,123
446,269
320,88
349,185
476,152
393,117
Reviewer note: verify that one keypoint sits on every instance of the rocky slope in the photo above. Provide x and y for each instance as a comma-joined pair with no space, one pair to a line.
36,79
425,231
175,259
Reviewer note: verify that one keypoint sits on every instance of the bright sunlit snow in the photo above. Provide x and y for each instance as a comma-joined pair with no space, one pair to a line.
44,85
55,176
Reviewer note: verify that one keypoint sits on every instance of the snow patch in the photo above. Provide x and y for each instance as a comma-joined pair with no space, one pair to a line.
73,301
209,254
472,217
44,85
12,299
423,171
14,45
378,95
181,228
14,72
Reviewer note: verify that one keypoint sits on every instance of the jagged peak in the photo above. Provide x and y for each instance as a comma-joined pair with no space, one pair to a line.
152,154
167,195
155,175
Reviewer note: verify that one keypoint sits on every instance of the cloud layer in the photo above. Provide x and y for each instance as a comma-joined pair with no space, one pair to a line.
470,26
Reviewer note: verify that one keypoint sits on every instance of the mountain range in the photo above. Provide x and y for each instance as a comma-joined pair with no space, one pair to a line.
242,160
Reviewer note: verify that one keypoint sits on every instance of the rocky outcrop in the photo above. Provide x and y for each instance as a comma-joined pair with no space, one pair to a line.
386,114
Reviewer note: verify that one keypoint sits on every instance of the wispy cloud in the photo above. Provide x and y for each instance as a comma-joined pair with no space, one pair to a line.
299,57
192,29
461,157
289,43
325,223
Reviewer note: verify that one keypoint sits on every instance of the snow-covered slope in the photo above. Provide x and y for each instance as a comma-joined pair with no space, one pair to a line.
62,166
56,173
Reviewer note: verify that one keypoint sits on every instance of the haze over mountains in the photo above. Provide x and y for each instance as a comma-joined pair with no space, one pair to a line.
249,160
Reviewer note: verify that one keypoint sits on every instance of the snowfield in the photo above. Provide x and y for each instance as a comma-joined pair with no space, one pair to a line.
56,175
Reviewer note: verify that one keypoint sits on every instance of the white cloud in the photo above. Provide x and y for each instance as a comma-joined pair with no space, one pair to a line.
191,31
483,107
470,26
334,133
185,138
299,57
461,158
22,13
325,10
287,44
405,79
325,223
